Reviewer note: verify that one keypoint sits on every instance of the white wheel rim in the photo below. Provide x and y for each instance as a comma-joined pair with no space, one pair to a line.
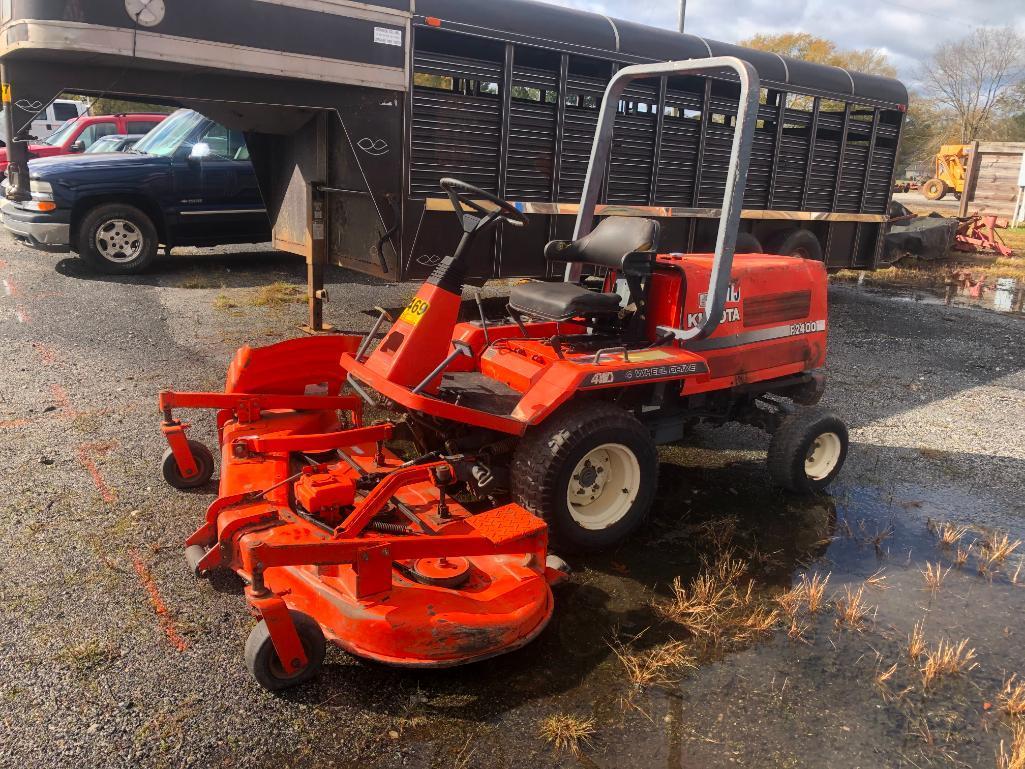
603,486
823,456
118,240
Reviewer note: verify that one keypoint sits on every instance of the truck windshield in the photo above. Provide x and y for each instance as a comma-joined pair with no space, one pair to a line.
57,137
167,137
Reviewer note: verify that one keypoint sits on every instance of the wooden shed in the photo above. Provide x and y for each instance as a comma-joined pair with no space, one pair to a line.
992,183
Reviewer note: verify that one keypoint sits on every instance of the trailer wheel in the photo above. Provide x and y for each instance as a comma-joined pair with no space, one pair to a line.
263,661
808,450
117,239
796,242
173,475
748,244
590,471
935,189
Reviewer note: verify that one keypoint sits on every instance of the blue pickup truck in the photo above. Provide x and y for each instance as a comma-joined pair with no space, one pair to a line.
188,182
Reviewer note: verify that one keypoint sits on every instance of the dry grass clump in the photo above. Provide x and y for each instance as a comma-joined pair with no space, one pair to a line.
1013,756
962,554
655,667
916,641
949,534
947,660
816,591
224,302
1012,698
934,575
566,732
714,609
995,550
877,581
277,294
851,610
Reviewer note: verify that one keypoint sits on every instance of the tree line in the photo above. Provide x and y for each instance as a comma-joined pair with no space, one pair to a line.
968,89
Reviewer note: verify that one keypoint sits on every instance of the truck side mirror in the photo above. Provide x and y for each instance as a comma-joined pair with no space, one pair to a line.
200,150
77,147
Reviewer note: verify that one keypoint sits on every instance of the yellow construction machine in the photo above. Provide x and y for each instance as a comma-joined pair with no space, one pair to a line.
951,168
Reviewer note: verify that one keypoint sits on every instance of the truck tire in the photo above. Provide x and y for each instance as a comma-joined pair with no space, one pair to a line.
935,189
808,450
796,242
117,239
590,471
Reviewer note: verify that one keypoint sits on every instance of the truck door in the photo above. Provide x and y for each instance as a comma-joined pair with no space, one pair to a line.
218,199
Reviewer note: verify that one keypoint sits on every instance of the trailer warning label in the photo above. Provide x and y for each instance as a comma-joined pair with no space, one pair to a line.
386,36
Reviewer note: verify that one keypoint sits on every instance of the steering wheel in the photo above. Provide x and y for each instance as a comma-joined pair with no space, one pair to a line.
465,196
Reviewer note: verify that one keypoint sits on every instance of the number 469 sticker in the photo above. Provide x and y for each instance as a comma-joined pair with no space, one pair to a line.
416,310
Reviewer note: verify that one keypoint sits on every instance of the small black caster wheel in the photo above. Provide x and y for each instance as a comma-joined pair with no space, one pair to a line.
263,662
193,555
808,451
204,462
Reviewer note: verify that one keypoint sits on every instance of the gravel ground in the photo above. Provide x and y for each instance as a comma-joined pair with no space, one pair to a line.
112,655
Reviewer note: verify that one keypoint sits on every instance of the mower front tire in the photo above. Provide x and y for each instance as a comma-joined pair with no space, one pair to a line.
173,475
808,450
263,661
590,471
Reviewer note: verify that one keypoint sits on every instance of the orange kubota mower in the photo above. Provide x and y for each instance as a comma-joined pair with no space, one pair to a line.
543,423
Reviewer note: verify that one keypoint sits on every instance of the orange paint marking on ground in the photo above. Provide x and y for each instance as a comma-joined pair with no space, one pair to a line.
22,316
47,354
60,396
85,458
163,616
9,288
13,424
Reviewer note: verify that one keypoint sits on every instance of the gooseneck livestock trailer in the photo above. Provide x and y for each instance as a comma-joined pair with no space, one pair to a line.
355,110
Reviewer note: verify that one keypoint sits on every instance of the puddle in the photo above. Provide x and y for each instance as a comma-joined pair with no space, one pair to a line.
779,702
1004,295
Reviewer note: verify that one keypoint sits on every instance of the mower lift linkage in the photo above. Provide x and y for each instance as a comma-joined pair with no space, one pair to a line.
246,407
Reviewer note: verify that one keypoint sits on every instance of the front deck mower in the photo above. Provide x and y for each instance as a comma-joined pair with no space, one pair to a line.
545,422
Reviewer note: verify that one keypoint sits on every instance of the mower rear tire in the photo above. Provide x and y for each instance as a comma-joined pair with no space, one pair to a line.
263,661
796,242
173,475
935,189
590,471
808,450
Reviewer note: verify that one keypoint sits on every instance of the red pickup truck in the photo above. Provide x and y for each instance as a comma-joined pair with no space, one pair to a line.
79,134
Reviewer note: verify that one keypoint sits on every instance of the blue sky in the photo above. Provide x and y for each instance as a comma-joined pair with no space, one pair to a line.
907,30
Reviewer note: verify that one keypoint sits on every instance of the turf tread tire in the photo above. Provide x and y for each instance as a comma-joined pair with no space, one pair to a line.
554,447
789,447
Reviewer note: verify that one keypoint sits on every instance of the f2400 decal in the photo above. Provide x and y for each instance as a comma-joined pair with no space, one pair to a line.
631,375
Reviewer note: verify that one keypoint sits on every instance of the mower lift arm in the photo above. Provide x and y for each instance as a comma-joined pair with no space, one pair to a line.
736,180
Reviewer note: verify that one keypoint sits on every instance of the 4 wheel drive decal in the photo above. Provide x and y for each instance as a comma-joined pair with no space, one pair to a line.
642,374
761,335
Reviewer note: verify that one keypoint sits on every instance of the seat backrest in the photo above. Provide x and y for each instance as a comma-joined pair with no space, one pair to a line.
610,244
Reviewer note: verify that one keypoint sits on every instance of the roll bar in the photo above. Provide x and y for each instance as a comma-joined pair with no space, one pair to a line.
733,201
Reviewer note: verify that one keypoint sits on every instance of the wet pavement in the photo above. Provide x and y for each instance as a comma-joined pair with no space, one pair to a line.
112,655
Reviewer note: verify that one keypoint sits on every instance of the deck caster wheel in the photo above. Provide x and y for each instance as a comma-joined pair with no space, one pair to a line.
173,475
808,450
193,555
590,471
263,662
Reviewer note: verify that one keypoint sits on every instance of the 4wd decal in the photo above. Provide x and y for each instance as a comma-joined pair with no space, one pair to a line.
631,375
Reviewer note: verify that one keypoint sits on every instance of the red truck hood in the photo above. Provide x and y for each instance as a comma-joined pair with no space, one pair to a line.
35,150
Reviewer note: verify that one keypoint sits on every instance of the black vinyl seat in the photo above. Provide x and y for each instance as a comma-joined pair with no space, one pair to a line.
624,244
